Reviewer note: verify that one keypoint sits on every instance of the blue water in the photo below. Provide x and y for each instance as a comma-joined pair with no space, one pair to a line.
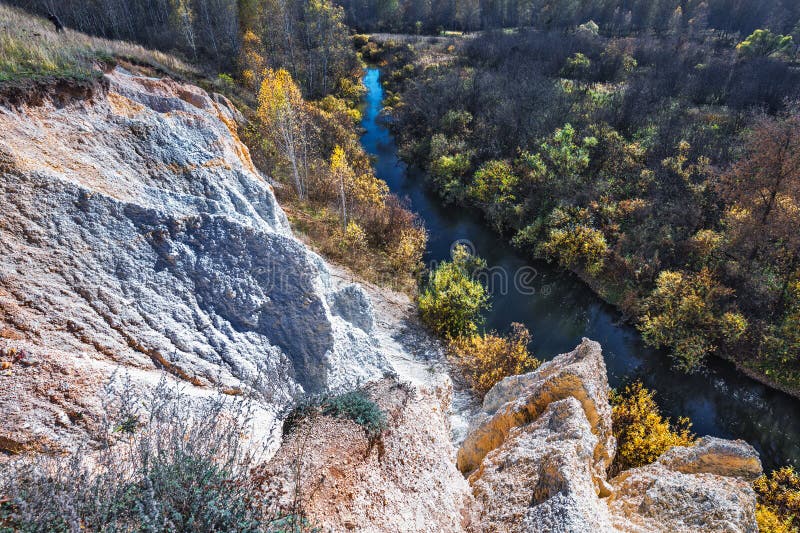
559,310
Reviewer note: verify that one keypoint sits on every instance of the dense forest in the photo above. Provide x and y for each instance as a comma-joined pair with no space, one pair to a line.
660,163
613,17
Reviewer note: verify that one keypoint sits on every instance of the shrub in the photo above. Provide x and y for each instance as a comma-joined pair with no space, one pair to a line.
576,246
769,522
487,359
167,464
452,302
354,405
684,313
642,433
779,500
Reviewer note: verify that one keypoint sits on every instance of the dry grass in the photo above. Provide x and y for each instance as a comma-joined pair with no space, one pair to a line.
30,48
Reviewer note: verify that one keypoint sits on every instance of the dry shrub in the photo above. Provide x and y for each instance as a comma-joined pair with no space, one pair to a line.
166,462
487,359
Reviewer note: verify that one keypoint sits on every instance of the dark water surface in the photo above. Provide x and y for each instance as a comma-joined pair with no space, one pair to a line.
559,309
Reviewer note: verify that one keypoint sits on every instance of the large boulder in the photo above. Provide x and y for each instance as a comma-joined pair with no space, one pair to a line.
539,451
520,400
705,487
541,478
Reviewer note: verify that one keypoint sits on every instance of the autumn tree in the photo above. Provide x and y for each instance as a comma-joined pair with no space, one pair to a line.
642,432
280,110
343,175
778,494
251,60
762,191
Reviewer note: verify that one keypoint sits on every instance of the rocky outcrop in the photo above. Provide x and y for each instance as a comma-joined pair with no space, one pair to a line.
539,451
405,481
541,478
519,400
136,235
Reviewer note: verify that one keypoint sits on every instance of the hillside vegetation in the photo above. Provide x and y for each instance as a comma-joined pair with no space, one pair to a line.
661,166
31,49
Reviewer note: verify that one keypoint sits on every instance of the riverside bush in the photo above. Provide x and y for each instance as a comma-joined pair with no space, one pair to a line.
487,359
642,433
452,302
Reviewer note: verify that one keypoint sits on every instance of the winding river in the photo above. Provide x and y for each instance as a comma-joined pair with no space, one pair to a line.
559,309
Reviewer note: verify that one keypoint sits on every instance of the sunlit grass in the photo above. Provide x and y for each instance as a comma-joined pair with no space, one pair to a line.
30,48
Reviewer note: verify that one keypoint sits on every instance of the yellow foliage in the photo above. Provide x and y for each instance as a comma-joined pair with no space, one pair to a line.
278,96
364,187
779,501
487,359
406,255
354,238
251,60
642,433
769,522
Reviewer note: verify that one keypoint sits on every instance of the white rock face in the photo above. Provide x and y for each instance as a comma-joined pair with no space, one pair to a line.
136,234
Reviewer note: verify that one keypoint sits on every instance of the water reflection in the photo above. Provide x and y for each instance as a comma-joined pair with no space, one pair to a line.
562,310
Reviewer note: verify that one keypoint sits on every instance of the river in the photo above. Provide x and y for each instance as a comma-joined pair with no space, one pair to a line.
559,309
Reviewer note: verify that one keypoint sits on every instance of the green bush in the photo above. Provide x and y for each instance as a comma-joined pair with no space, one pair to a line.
354,405
686,312
452,302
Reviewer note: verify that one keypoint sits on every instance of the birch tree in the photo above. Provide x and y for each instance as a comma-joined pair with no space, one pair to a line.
280,109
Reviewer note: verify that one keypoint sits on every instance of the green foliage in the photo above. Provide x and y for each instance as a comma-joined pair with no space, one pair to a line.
566,157
764,43
590,28
685,313
779,501
456,122
447,172
576,66
489,358
642,433
452,302
494,187
354,405
781,344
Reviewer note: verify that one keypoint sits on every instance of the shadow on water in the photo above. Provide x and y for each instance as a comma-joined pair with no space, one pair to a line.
559,310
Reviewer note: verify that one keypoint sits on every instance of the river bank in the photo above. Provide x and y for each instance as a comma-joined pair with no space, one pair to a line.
559,309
